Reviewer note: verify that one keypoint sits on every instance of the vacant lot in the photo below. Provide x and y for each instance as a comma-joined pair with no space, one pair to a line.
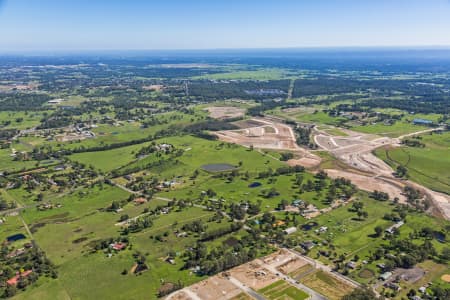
216,287
327,285
267,134
225,112
283,290
253,275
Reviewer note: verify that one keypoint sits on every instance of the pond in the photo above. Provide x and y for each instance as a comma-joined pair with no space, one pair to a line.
309,226
15,237
218,167
439,236
254,184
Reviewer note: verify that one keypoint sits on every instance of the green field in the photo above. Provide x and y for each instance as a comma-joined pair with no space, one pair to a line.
282,290
348,235
401,127
66,232
261,74
21,119
109,160
124,191
428,166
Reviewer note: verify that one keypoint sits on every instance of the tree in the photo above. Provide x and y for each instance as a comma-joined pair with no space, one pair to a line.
10,291
401,171
286,156
362,214
115,205
445,255
356,206
378,231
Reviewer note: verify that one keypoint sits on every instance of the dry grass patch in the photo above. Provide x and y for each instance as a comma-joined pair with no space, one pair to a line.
327,285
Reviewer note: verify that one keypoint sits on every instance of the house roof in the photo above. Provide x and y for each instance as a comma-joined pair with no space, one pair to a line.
140,200
15,279
290,230
118,246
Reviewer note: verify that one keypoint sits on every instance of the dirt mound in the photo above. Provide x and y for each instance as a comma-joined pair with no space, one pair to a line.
307,162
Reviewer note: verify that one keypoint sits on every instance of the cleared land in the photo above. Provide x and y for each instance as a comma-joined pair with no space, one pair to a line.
327,285
283,290
357,151
267,134
248,281
225,112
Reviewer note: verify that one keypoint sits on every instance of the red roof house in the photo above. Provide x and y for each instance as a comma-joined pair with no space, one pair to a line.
15,279
118,246
139,201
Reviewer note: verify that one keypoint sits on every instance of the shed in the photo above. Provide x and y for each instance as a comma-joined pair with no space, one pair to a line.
290,230
385,275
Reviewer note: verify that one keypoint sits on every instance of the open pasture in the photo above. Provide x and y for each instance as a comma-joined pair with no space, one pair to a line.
429,165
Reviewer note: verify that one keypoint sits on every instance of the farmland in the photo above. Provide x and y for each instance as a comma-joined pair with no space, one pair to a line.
427,165
199,179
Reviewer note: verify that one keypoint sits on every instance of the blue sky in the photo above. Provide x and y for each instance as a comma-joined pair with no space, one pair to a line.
203,24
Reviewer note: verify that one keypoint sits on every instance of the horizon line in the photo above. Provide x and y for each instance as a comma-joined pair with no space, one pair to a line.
85,50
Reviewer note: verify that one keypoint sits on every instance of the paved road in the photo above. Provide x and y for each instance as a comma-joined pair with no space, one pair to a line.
125,188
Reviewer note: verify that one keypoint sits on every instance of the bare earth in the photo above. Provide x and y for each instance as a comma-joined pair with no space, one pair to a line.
268,134
446,277
292,265
369,183
249,278
216,287
225,112
153,87
356,150
253,275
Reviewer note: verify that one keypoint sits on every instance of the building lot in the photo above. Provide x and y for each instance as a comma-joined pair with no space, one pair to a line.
283,290
216,287
253,275
327,285
225,112
267,134
357,151
270,277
